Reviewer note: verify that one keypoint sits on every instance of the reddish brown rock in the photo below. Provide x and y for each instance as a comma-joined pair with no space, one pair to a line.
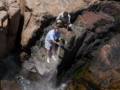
106,67
100,48
89,18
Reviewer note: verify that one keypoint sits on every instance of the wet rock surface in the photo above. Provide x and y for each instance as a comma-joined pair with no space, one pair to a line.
89,60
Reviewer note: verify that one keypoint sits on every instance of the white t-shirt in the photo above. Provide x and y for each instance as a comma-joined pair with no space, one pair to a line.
51,36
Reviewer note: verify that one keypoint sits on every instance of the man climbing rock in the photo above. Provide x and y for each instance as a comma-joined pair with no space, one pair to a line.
52,43
63,19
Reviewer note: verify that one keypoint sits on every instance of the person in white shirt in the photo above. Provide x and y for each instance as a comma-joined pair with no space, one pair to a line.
52,42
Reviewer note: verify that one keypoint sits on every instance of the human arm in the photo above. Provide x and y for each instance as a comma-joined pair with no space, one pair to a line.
69,19
55,42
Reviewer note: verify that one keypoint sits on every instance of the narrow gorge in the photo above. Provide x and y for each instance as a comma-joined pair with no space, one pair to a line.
89,60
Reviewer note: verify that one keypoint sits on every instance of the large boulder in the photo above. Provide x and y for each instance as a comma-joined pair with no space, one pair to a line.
106,66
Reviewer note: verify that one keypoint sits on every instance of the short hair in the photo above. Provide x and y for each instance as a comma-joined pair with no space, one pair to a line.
65,13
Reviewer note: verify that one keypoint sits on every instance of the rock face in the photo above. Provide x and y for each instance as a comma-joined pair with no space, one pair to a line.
95,62
54,8
9,22
35,10
14,15
9,85
91,56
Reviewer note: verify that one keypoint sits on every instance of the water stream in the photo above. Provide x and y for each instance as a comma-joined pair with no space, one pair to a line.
37,73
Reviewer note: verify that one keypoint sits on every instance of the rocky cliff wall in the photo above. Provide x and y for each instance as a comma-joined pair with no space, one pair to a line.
90,59
9,23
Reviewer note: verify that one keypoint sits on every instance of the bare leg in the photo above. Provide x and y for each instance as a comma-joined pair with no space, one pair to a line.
54,52
49,54
58,51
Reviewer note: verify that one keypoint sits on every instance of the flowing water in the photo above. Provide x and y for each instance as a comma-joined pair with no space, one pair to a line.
37,74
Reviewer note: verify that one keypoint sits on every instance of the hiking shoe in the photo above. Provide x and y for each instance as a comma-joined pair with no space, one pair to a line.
54,57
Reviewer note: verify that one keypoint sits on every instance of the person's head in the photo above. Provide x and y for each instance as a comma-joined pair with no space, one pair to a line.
65,14
56,28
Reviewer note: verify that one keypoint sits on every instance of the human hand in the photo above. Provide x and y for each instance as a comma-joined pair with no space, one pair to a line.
70,25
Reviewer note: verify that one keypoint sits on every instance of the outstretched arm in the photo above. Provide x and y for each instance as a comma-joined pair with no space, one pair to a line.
54,42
